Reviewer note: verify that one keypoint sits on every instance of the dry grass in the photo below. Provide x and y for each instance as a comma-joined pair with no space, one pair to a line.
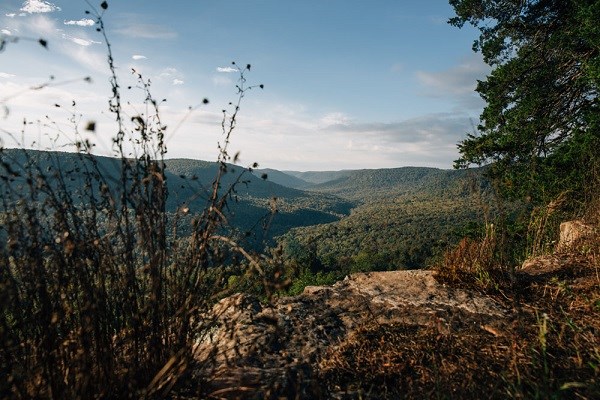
99,296
404,361
474,263
550,348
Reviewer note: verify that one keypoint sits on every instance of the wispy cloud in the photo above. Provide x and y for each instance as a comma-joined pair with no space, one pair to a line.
42,25
171,75
431,129
81,22
438,20
397,68
227,69
147,31
90,57
80,41
6,75
34,104
10,15
220,80
458,82
38,6
71,46
6,32
138,57
335,119
169,71
428,140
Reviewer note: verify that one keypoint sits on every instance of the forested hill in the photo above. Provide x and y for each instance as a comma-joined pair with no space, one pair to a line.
316,177
367,185
404,218
283,178
370,185
189,183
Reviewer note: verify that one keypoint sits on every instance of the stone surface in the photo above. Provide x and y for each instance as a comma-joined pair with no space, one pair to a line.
266,351
574,233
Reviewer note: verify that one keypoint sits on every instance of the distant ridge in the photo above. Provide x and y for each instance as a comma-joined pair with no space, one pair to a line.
317,177
283,178
375,184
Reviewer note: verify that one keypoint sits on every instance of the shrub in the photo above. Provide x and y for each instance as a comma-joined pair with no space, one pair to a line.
472,261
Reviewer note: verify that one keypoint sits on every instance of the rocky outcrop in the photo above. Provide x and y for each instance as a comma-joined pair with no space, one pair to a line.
263,351
576,240
573,234
545,266
282,349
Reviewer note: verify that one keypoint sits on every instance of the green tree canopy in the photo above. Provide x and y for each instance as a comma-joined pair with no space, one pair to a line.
540,126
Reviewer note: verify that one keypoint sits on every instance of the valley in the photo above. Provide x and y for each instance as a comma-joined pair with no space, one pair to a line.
352,220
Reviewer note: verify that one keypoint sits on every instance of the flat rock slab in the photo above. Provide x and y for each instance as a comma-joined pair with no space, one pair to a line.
544,267
416,288
280,343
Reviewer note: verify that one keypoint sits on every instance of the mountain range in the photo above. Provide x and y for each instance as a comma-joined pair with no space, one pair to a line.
394,211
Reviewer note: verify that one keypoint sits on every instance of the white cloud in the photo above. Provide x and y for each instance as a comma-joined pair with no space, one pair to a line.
10,15
71,56
432,130
172,75
37,105
284,135
80,41
138,57
81,22
6,32
38,6
147,31
227,69
6,75
83,42
169,71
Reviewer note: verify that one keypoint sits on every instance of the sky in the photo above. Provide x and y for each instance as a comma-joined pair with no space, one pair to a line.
348,84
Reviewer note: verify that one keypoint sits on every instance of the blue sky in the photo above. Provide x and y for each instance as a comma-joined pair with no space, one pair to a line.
348,84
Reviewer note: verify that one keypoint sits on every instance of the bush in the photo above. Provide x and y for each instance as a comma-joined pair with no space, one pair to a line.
472,261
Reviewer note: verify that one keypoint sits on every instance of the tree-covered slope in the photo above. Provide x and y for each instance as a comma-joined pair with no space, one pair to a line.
189,183
282,178
407,216
316,177
378,184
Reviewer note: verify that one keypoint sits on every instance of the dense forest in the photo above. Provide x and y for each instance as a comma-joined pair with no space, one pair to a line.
405,218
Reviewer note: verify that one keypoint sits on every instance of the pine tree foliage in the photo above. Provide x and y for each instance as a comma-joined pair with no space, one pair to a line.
540,126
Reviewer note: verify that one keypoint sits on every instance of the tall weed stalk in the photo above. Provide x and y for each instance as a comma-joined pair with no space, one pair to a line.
99,296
